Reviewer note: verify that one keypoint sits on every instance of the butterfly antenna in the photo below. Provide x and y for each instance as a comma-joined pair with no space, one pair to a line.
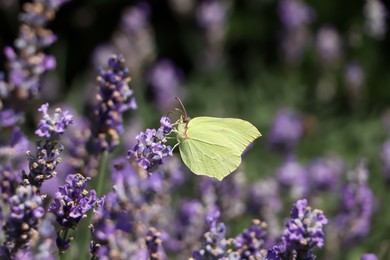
184,109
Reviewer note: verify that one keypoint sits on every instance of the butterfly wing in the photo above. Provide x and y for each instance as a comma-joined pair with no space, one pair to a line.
214,145
240,132
204,155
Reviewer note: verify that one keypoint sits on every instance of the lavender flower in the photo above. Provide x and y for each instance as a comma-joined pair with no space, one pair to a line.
304,231
294,13
52,127
357,207
151,149
328,45
354,79
295,177
228,196
295,17
9,182
265,201
105,223
71,202
212,17
78,155
137,203
188,229
114,97
325,173
16,146
26,62
165,80
211,13
9,117
154,245
249,244
287,130
134,38
368,257
376,14
24,217
42,165
214,242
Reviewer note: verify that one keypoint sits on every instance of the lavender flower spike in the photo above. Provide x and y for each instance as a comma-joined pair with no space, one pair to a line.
154,245
42,166
304,231
368,257
24,217
151,149
52,127
26,61
113,98
214,241
71,202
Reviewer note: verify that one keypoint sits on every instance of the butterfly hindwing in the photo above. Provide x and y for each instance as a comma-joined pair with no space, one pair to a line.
204,155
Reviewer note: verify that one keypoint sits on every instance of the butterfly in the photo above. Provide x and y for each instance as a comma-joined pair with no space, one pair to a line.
213,146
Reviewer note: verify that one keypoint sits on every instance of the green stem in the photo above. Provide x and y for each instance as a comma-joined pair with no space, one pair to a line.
85,233
64,237
101,174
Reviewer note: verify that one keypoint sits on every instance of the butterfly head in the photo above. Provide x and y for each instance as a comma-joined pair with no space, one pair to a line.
183,122
184,118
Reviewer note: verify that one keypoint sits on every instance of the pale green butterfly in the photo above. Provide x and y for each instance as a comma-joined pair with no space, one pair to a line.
213,146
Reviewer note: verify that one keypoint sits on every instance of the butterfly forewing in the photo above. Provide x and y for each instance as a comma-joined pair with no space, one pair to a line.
239,132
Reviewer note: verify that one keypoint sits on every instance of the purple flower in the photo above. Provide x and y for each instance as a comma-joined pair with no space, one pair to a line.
9,182
151,149
154,245
26,61
9,117
228,196
287,130
294,176
264,196
78,155
325,173
304,231
71,202
109,217
211,13
135,38
376,15
16,147
25,214
136,18
43,165
214,242
189,226
368,257
294,13
357,207
113,98
328,45
165,80
249,244
52,127
354,78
